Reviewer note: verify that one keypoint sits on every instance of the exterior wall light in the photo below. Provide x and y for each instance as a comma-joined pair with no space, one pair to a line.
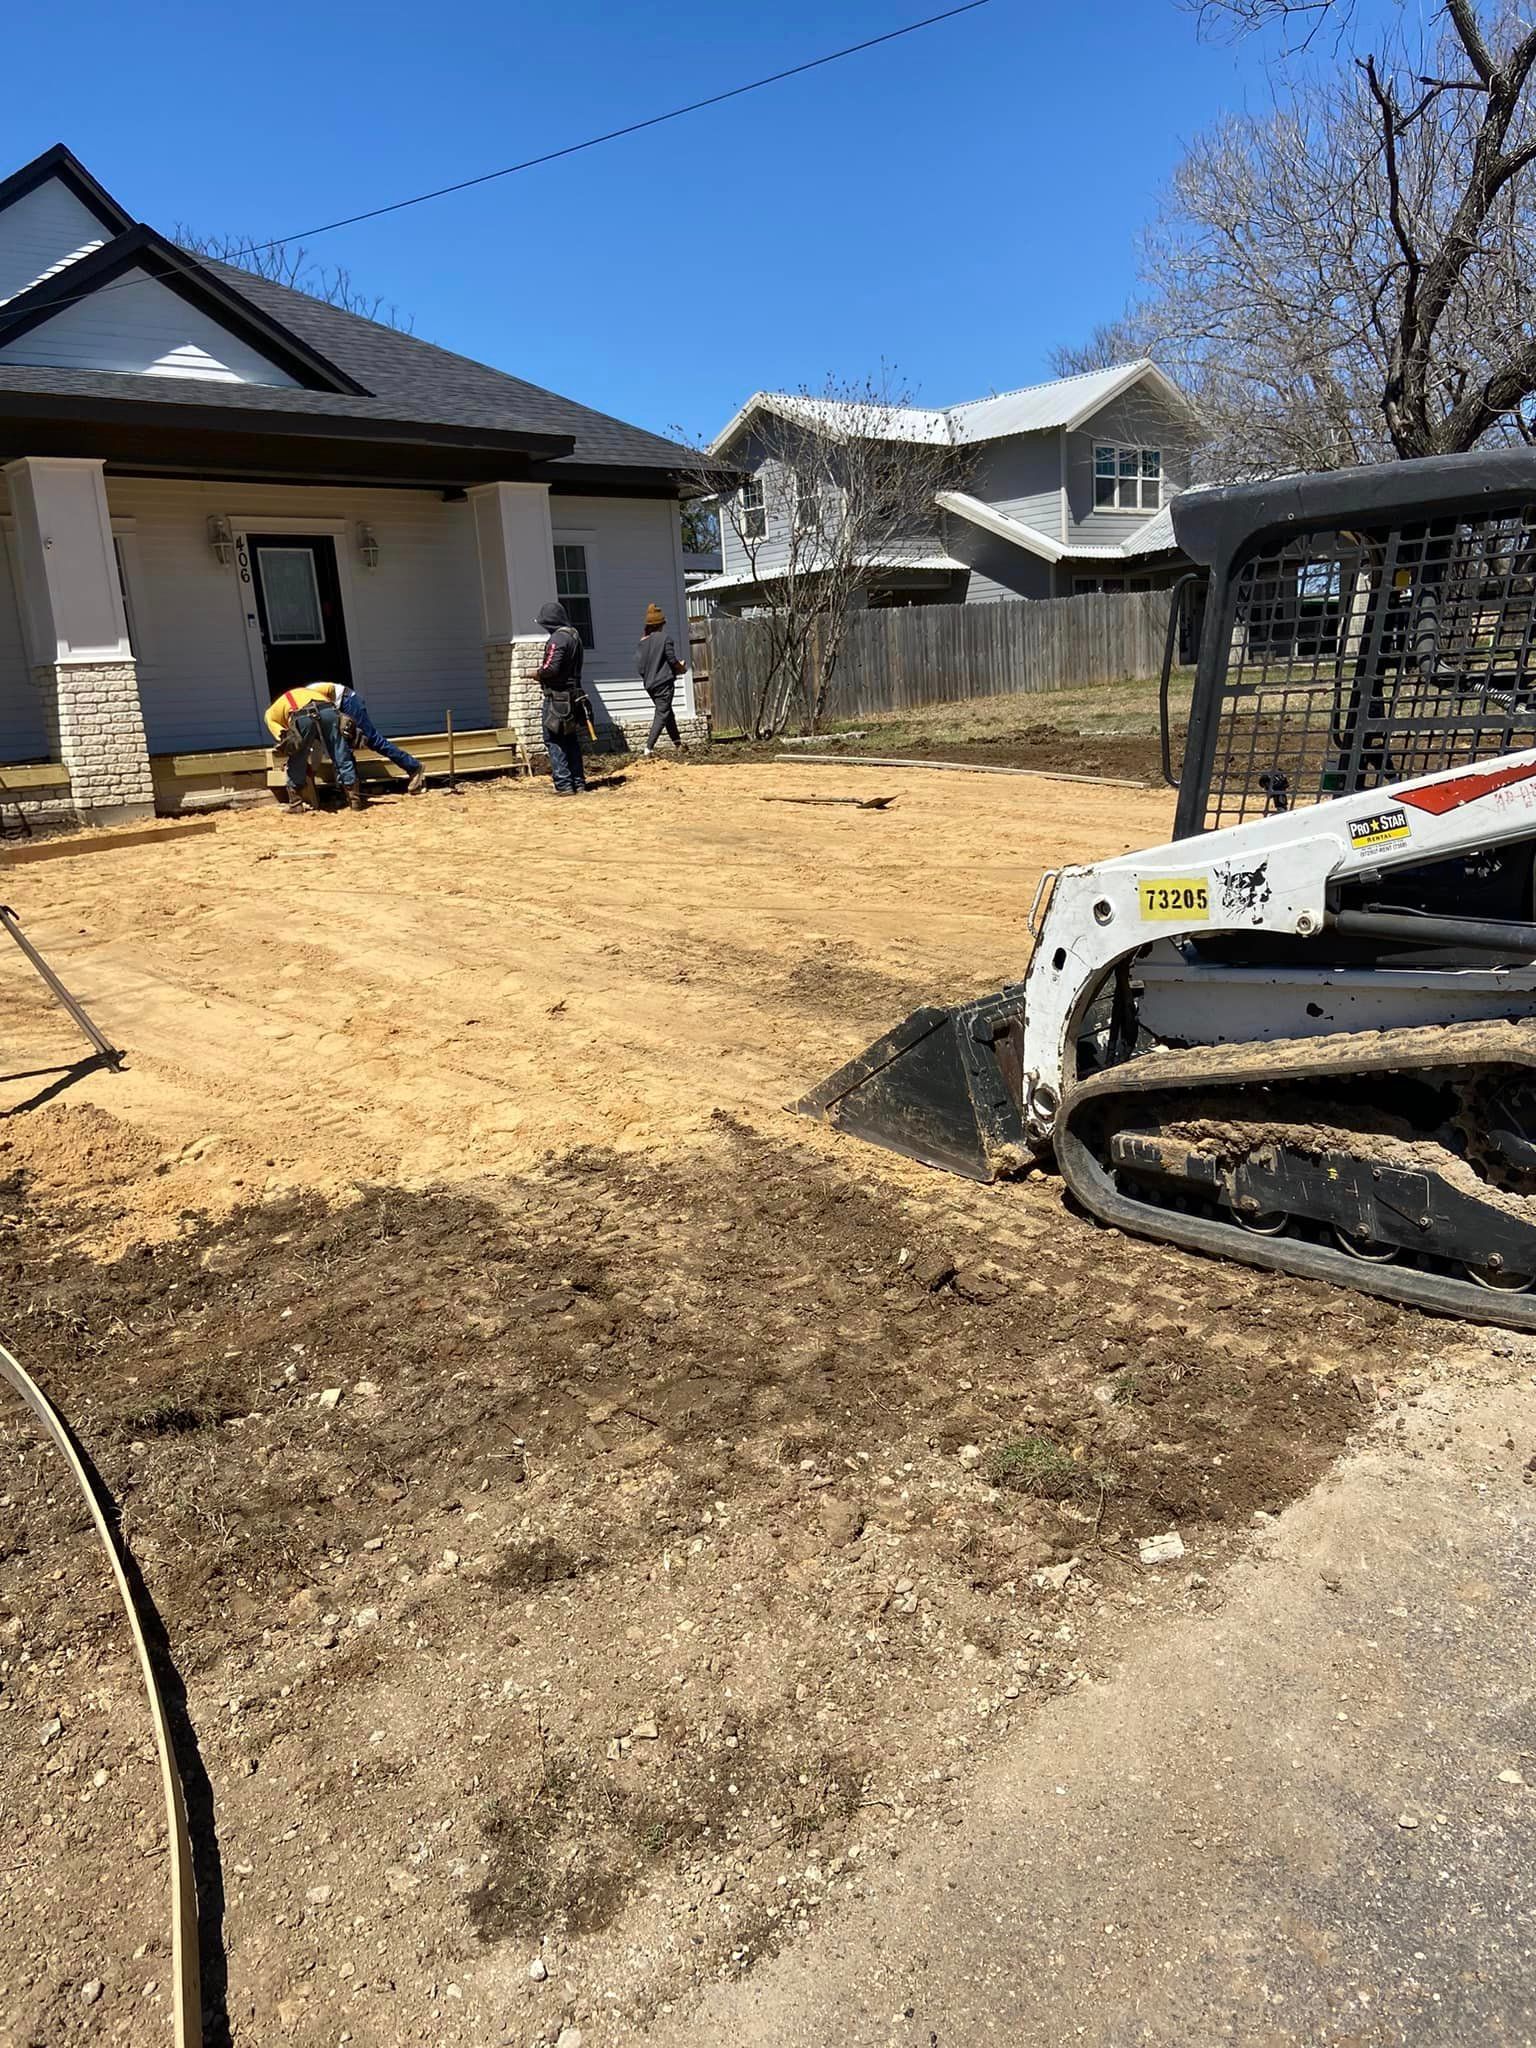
368,545
221,540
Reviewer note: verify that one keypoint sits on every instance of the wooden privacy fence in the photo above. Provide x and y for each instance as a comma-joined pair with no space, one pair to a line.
896,657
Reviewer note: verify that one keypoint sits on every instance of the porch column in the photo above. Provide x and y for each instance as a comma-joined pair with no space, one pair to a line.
77,635
517,576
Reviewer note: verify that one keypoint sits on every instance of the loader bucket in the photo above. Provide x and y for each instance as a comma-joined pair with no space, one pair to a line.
945,1087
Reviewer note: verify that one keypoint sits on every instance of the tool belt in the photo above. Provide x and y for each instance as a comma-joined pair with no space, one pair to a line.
563,712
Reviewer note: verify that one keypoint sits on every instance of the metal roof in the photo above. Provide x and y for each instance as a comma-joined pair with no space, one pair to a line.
1155,538
890,560
1034,408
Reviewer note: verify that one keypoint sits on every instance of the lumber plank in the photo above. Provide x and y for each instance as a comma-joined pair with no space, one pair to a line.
101,842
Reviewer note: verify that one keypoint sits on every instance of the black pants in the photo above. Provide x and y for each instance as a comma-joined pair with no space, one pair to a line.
663,722
565,763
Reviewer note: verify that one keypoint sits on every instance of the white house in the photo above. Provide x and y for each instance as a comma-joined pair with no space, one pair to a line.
1060,489
213,487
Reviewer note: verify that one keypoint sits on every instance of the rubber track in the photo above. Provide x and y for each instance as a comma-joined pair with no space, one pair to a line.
1437,1047
185,1973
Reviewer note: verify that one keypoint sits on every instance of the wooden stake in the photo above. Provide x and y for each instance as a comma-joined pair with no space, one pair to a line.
449,720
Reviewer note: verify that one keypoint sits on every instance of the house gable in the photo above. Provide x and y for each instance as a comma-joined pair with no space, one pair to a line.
52,212
140,306
1140,417
140,327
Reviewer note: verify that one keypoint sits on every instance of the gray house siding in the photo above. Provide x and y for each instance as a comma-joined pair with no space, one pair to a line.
1021,477
998,568
1043,479
751,455
1137,419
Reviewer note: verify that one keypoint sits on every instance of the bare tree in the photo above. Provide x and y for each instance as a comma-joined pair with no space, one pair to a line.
701,526
1124,340
1352,275
289,263
1302,17
825,495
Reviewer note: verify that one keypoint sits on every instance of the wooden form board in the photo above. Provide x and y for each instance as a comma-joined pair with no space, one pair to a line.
87,841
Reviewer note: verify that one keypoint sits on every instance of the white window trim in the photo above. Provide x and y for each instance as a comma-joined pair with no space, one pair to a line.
760,484
581,537
243,578
125,534
1138,449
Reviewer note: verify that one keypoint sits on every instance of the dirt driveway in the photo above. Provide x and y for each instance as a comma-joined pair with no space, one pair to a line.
545,1453
459,984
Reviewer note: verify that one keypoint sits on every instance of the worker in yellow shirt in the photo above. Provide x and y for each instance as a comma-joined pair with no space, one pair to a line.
296,720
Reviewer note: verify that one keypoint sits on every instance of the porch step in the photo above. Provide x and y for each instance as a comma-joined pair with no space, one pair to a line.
473,752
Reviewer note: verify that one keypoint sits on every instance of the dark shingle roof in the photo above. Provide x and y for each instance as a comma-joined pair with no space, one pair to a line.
406,381
420,380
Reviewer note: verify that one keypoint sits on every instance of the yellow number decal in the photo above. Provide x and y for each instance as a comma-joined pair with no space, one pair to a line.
1183,899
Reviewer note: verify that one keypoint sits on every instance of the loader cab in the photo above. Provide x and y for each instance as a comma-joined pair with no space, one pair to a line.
1359,628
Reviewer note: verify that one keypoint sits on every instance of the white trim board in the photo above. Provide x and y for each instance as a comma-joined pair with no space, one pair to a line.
243,575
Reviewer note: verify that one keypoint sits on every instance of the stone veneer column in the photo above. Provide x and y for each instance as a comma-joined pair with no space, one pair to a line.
101,741
512,678
77,635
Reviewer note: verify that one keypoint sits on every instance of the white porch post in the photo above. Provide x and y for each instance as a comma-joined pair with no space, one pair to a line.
517,576
77,634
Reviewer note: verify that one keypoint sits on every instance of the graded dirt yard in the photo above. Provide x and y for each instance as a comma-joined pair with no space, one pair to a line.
1102,729
545,1454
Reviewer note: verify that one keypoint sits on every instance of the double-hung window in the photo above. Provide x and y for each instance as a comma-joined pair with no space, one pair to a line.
754,515
816,505
574,590
1127,479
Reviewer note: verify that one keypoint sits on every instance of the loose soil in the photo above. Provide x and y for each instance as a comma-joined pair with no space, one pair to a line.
594,1515
1042,747
1108,729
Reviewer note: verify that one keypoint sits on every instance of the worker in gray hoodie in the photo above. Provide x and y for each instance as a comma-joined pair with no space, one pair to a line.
658,667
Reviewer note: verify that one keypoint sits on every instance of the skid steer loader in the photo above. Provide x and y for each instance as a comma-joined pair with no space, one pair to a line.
1303,1033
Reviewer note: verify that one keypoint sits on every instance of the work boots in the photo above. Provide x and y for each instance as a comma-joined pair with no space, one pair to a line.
356,801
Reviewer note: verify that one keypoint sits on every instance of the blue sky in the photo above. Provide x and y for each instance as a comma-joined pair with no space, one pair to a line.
955,203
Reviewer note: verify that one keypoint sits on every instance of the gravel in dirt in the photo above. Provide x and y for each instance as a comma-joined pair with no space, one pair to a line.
590,1567
545,1455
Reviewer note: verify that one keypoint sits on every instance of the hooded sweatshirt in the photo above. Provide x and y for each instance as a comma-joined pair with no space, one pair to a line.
560,668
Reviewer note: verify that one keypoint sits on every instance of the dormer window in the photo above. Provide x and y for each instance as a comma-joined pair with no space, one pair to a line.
1127,479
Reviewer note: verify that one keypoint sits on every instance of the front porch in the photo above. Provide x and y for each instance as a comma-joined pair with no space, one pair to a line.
140,645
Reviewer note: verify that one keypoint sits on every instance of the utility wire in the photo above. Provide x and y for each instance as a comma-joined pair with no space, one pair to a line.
715,99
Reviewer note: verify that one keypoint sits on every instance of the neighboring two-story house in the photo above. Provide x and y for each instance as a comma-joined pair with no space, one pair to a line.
1059,489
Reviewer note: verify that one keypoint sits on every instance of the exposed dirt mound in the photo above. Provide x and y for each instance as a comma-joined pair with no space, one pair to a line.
595,1564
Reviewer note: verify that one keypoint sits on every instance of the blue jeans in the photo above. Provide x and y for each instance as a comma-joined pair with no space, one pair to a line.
354,708
565,762
322,721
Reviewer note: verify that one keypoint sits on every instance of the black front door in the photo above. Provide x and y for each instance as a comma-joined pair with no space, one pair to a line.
298,600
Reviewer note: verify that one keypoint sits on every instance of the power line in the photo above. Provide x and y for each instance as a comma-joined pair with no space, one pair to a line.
631,128
716,99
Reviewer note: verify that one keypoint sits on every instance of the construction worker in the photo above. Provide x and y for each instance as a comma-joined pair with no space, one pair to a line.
566,710
358,729
296,720
658,667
